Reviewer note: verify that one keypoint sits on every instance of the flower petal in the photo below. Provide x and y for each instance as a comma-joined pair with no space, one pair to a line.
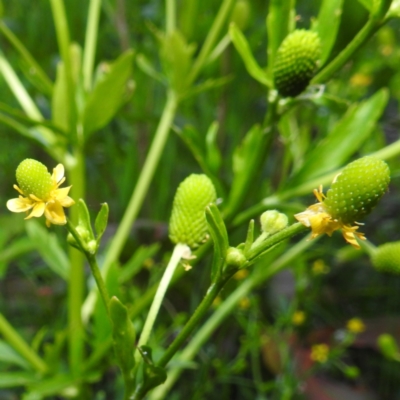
19,205
60,194
67,202
38,210
58,173
54,213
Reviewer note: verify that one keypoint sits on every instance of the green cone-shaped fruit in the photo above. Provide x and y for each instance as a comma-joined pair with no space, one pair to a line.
34,178
296,62
188,223
357,189
386,258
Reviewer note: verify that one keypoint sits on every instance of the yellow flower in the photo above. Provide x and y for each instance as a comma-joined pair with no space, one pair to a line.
319,267
320,221
298,318
319,353
355,325
40,193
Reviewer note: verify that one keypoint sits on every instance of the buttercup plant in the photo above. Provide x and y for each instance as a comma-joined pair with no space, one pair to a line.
294,144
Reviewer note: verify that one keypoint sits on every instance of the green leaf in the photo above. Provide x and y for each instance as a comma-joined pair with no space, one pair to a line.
279,23
14,379
213,154
147,67
219,236
48,247
368,4
176,56
244,164
59,111
101,222
84,220
123,334
327,25
108,94
9,356
152,375
343,141
243,48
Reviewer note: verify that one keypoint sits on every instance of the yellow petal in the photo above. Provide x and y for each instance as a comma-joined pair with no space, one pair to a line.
37,210
54,213
58,173
18,189
60,194
67,202
19,205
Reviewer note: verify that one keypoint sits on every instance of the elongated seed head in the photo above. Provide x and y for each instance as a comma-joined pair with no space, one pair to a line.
357,189
296,62
34,178
188,223
387,258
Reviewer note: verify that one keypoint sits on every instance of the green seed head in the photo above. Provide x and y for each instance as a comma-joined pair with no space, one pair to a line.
357,190
188,223
296,62
34,178
387,258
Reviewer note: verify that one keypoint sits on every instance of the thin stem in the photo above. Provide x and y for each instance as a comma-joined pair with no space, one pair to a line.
19,344
91,258
22,50
90,43
139,192
211,38
170,14
62,31
76,280
177,254
362,36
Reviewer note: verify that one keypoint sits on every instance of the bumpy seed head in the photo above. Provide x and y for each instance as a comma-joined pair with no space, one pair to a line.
357,190
34,178
296,62
188,223
386,258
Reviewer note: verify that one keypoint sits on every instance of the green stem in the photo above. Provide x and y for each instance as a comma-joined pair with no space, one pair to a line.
179,250
90,43
19,344
62,31
362,36
76,281
170,14
36,68
140,191
211,38
195,319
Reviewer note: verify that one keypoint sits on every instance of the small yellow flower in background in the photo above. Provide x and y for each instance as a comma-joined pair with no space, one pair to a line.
319,267
217,301
244,303
355,325
298,318
320,353
361,80
241,274
353,194
40,193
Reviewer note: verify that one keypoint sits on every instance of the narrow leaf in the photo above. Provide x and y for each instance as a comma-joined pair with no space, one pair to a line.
344,140
327,25
243,48
101,221
108,94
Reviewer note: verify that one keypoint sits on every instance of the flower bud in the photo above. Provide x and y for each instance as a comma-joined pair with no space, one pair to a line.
34,178
296,62
386,258
241,14
188,223
357,189
235,257
273,221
